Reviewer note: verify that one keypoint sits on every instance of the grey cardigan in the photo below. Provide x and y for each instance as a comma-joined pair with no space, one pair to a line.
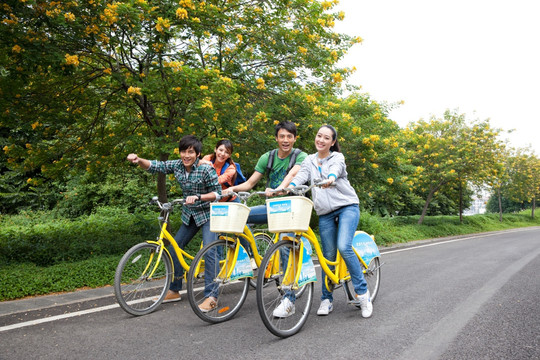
332,198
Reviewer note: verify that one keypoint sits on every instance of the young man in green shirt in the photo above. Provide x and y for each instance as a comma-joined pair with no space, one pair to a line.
281,172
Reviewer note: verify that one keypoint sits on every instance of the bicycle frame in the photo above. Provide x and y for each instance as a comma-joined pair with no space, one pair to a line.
250,238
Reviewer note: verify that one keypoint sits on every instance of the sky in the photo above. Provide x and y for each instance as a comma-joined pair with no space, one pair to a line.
479,57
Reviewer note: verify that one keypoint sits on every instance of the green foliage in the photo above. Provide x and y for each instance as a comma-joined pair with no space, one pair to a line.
85,83
402,229
28,279
508,205
449,151
45,240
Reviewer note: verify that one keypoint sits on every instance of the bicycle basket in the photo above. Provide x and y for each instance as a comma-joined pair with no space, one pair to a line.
228,217
288,214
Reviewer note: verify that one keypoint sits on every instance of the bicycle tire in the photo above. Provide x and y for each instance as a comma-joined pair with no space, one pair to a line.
263,241
230,294
270,292
135,292
373,279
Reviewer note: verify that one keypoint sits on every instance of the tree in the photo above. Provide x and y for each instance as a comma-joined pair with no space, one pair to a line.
524,170
449,151
83,83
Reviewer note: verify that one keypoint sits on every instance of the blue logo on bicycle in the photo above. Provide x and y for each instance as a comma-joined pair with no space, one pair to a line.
278,207
365,247
220,210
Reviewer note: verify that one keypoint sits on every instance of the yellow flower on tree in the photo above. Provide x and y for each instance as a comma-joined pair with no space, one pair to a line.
181,13
72,60
134,90
69,17
16,49
336,77
390,181
162,23
260,84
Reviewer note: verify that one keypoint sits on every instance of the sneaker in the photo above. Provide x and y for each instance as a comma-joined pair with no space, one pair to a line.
208,304
325,308
172,296
284,309
364,301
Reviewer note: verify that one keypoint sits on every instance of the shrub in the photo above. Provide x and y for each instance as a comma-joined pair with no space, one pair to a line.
45,241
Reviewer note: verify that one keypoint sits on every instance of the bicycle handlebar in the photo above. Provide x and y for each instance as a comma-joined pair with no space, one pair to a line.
296,190
166,206
302,189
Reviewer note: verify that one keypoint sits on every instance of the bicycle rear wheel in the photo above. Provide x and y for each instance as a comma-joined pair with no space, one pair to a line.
207,277
140,281
263,242
274,285
373,278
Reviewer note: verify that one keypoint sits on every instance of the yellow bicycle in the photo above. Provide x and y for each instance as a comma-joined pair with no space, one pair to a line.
228,260
145,271
288,264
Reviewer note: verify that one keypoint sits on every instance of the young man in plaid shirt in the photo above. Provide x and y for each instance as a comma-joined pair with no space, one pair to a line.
200,186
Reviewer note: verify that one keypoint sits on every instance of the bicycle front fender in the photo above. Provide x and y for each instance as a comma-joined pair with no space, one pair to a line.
163,248
365,247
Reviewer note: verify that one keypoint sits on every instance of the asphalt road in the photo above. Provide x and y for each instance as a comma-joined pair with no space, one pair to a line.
473,297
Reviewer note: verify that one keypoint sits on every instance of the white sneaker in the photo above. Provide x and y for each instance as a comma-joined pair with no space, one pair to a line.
365,304
325,308
284,309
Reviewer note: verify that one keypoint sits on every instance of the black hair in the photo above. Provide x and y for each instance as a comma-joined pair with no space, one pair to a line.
336,146
287,125
190,141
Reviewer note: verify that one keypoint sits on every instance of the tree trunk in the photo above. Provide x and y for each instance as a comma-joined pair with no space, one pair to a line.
461,202
426,205
533,206
500,204
162,181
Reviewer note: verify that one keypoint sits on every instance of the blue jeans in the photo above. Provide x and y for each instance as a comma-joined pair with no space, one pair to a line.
337,231
183,237
257,215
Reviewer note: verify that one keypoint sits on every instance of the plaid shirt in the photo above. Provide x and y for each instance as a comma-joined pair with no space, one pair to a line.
201,180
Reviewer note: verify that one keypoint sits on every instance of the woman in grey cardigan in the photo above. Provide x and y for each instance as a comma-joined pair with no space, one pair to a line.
339,214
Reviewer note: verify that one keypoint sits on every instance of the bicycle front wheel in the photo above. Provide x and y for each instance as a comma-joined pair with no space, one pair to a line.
208,280
274,286
142,279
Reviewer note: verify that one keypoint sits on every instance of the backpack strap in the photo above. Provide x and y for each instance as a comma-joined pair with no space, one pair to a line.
224,167
270,161
292,162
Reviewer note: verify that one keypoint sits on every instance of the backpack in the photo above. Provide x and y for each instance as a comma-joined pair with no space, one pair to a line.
292,161
240,178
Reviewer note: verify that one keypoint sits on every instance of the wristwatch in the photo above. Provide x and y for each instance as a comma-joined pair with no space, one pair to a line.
199,196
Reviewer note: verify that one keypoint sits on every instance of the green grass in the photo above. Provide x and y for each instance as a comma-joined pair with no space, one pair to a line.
389,231
28,279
